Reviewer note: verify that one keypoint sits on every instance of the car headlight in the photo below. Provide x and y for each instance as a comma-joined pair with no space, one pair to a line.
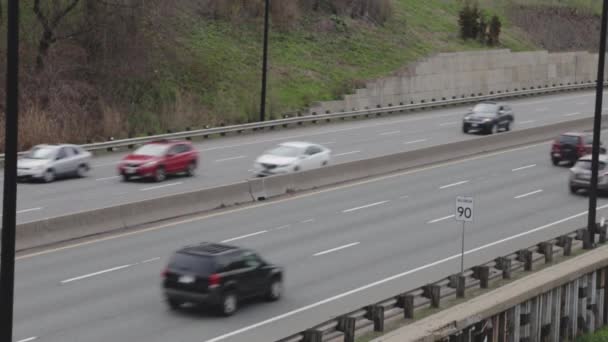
487,120
149,164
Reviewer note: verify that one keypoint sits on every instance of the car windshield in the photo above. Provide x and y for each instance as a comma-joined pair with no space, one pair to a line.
485,109
568,139
41,153
285,151
154,150
201,265
586,165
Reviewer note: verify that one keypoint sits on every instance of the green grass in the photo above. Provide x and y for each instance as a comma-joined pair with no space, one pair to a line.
599,336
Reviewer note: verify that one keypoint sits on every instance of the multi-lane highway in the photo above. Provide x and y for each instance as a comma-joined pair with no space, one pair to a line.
342,247
229,159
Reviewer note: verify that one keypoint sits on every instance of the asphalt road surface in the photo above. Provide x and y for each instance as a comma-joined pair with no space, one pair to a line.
342,247
230,159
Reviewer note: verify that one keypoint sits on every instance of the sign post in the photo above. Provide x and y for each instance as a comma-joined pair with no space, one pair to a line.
464,213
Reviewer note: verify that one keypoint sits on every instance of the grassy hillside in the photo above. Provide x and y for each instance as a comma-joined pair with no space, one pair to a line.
170,65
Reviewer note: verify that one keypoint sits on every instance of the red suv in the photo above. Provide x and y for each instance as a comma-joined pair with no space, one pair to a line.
158,159
571,146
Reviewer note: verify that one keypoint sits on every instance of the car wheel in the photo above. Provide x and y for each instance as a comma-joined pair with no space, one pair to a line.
160,174
555,161
275,290
494,129
49,176
174,304
465,129
126,178
508,127
228,304
191,169
573,189
82,171
325,162
296,169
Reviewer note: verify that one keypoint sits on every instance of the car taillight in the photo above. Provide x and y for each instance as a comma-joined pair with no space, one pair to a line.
164,273
555,146
214,279
581,150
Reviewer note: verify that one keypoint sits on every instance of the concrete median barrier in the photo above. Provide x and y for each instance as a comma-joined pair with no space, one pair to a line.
128,215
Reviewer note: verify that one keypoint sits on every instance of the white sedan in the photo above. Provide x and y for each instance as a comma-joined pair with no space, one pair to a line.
47,162
291,157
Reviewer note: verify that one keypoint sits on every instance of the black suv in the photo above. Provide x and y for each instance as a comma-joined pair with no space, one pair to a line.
219,275
488,117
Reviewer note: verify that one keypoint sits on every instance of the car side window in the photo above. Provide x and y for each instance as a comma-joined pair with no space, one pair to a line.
75,151
183,148
174,150
311,150
251,260
61,154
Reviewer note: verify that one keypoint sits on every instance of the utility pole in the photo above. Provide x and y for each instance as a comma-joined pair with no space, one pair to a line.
265,62
9,204
597,123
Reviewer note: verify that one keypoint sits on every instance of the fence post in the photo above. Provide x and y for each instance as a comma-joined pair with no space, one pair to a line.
433,292
525,256
546,248
565,242
375,313
313,335
346,324
406,302
482,273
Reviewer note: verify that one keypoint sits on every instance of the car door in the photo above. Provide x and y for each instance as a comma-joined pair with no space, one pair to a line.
74,159
501,116
172,159
183,157
252,278
309,158
61,165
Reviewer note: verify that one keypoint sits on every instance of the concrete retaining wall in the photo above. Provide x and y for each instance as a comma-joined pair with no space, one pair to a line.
462,74
78,225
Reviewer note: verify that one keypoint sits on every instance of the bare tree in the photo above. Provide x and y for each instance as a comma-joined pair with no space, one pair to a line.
50,22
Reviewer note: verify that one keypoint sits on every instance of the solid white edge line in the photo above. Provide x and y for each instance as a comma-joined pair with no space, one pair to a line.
336,249
524,167
441,219
150,260
391,278
453,184
106,178
390,133
245,236
346,153
529,194
95,273
308,221
282,227
414,141
160,186
363,207
28,210
29,339
228,159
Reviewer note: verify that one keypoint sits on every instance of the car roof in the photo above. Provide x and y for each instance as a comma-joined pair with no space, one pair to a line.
208,249
167,142
493,103
298,144
57,145
576,134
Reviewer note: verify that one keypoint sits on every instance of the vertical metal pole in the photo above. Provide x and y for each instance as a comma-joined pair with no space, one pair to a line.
597,123
462,251
7,262
264,62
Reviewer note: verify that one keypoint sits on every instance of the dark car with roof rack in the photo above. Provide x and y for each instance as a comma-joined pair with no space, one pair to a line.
571,146
220,276
488,117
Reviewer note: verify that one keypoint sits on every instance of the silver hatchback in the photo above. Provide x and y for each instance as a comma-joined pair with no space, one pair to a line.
580,174
48,162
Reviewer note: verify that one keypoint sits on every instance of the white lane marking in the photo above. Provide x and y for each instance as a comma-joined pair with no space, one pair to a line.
107,178
150,260
448,123
245,236
391,278
28,210
573,114
363,207
228,159
346,153
542,109
529,194
390,133
282,227
96,273
160,186
29,339
524,167
453,184
527,122
441,219
327,143
305,195
308,221
336,249
414,141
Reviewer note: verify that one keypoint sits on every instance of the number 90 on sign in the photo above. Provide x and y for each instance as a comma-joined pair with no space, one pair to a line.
464,209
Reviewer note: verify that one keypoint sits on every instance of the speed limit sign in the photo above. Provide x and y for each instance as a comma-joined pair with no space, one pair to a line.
464,209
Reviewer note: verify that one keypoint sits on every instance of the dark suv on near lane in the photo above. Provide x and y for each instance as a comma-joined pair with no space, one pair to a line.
220,276
488,117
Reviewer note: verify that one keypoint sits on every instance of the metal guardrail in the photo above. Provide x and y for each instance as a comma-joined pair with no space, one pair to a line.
402,307
129,142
